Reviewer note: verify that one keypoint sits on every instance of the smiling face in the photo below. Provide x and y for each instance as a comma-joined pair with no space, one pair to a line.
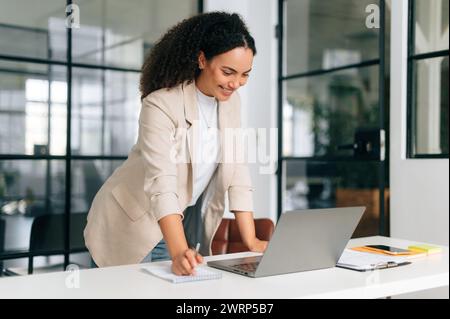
224,73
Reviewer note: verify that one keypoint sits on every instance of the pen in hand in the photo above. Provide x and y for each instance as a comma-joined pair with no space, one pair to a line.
197,249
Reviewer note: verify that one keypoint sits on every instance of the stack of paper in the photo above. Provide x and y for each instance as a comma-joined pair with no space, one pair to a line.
165,272
363,261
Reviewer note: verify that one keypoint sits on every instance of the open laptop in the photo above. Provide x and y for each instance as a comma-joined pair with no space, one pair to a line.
303,240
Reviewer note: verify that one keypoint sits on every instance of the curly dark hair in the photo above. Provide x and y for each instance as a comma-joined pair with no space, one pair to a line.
174,58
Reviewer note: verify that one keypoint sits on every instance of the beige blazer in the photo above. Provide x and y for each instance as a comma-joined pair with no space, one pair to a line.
156,180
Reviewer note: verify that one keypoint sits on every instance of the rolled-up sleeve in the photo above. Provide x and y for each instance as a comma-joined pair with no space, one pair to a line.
156,139
240,192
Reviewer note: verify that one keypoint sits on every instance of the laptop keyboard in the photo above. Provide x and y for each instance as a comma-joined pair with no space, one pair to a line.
249,267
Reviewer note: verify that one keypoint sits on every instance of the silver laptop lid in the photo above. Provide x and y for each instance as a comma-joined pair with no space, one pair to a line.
309,239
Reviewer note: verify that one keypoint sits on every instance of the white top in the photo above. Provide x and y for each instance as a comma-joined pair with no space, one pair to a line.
207,146
130,281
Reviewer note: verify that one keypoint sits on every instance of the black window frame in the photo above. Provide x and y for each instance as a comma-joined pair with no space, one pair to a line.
381,61
410,100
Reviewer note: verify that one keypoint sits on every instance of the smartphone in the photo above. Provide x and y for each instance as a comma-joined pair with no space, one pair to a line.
388,249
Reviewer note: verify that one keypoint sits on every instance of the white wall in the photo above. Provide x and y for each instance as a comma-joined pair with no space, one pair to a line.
419,188
259,96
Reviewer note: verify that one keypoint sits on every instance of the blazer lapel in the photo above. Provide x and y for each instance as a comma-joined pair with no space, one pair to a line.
190,102
223,123
191,116
224,172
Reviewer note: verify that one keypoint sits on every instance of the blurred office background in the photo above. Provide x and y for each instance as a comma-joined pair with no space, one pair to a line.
103,102
69,104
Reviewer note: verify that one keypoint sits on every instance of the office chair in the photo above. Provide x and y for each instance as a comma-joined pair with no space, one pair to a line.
47,235
227,239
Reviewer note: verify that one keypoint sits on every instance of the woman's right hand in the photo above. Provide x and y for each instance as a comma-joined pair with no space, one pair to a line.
185,262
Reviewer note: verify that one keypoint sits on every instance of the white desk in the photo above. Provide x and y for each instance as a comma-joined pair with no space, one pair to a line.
131,282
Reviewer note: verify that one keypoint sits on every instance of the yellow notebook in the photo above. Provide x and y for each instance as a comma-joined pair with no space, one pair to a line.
428,249
409,255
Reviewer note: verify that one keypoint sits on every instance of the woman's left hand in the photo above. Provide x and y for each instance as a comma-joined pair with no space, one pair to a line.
258,246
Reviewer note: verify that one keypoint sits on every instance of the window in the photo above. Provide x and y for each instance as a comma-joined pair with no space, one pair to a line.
42,181
428,79
332,88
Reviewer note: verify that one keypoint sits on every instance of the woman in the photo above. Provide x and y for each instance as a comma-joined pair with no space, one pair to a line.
156,206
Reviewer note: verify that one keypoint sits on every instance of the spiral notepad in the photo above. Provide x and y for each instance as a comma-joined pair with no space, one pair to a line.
165,272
